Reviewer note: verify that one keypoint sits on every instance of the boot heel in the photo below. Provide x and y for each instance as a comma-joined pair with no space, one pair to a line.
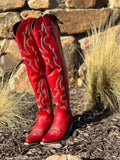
68,133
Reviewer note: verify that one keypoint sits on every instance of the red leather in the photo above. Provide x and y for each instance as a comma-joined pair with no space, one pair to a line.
60,126
47,35
36,72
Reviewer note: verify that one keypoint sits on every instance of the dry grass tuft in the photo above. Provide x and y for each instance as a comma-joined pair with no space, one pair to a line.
102,78
10,115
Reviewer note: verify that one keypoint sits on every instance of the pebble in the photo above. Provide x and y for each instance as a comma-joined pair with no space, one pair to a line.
52,145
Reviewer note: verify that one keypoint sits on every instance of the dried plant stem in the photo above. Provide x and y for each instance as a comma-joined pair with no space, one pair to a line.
102,78
9,112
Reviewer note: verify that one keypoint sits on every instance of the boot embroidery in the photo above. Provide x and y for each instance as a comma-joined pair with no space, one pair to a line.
43,96
34,63
52,62
59,87
30,64
42,39
43,43
55,130
35,69
37,60
26,38
37,131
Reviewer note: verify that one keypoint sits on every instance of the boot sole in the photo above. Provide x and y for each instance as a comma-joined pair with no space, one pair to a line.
46,143
31,143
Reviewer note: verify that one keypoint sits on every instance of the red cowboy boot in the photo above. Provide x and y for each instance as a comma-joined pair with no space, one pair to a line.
47,36
36,72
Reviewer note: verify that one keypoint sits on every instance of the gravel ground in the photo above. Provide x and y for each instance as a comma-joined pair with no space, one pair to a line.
94,136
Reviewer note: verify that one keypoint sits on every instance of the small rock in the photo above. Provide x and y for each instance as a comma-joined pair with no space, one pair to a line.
1,73
7,63
76,140
82,70
70,157
86,4
53,151
75,134
114,3
55,145
39,4
34,14
14,50
28,13
7,20
29,153
80,81
72,57
86,134
63,157
54,157
80,3
25,13
4,46
71,80
70,141
17,84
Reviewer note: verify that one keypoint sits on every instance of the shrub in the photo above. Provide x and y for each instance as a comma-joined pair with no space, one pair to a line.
102,78
9,112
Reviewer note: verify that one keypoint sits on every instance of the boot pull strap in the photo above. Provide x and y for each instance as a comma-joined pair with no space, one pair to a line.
15,27
56,19
33,23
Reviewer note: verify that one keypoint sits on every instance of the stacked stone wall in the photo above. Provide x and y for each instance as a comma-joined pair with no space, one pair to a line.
77,16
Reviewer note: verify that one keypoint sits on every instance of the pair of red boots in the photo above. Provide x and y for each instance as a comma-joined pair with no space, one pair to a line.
40,47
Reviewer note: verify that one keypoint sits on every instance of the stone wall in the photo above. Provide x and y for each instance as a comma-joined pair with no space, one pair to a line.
77,16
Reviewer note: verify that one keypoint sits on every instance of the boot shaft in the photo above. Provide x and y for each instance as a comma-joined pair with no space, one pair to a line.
34,63
47,36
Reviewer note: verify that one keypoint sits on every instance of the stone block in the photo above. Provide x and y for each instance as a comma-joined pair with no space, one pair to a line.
11,5
4,45
71,54
39,4
85,4
114,3
7,63
77,21
85,43
34,14
14,50
20,82
7,20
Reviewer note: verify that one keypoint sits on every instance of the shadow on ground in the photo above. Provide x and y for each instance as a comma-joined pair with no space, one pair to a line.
88,117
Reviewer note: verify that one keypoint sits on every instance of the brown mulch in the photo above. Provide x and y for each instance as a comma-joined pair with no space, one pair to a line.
94,136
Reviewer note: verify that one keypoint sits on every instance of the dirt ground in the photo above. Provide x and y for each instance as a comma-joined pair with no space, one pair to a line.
94,136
